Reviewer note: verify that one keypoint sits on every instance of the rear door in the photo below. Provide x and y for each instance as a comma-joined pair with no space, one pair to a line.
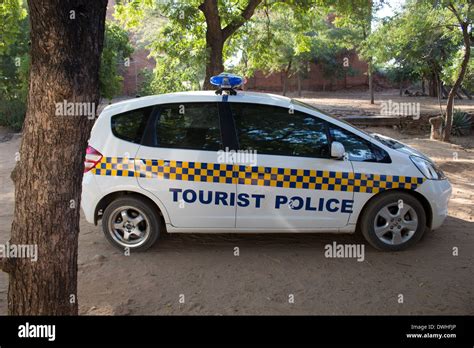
179,163
294,184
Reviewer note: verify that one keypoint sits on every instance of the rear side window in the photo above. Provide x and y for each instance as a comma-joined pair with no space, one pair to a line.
275,130
188,126
358,149
130,125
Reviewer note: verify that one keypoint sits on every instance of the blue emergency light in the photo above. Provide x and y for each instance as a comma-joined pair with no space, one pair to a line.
227,82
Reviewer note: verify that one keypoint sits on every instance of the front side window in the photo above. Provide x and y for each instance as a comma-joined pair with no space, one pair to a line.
358,149
188,126
275,130
130,125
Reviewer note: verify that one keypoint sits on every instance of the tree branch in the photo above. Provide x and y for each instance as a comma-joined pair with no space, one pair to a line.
455,12
244,16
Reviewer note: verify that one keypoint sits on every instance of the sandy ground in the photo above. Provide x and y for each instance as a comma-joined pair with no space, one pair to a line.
270,268
356,103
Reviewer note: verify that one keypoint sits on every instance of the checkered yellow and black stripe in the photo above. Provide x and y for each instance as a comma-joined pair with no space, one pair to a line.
254,175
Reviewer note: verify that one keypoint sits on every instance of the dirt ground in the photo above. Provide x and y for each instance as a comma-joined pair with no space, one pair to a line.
356,102
270,268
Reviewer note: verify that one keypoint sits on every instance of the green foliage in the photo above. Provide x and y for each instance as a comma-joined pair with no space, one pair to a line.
397,74
462,123
113,61
287,38
356,16
282,35
146,77
12,113
14,63
176,42
421,41
12,13
452,68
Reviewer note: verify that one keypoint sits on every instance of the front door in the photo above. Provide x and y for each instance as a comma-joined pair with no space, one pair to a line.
293,184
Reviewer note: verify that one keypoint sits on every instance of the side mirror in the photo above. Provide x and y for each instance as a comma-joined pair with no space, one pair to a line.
337,150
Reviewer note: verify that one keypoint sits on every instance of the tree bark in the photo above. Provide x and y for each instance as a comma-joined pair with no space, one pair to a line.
214,41
285,77
433,86
217,36
298,77
66,43
371,82
450,104
215,64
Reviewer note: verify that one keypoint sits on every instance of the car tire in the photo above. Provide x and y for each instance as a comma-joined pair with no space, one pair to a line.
129,222
393,221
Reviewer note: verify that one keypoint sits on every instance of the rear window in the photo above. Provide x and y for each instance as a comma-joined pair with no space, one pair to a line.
193,126
130,125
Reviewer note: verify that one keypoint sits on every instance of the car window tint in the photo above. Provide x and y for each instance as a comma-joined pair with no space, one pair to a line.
130,125
279,131
357,148
189,126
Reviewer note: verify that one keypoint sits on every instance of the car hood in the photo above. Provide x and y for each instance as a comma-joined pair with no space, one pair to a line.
402,147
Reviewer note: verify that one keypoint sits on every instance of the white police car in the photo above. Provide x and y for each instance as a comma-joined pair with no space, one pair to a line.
251,163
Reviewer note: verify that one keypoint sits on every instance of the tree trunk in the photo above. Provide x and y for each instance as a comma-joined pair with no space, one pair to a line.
286,73
66,43
444,93
450,103
371,87
216,36
433,85
366,33
298,76
215,63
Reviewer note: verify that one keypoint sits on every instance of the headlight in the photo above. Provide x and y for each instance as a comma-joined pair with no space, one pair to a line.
427,168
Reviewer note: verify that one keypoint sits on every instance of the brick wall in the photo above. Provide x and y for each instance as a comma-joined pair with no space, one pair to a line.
138,61
314,81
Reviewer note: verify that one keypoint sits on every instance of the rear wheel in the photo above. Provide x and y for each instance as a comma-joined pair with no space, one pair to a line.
393,221
128,222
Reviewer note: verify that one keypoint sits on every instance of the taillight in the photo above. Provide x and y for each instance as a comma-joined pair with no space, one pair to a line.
92,158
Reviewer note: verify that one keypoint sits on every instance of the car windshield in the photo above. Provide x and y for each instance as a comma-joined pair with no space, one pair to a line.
391,143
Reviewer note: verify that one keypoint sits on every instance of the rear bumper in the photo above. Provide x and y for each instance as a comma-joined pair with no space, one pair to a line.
438,193
90,191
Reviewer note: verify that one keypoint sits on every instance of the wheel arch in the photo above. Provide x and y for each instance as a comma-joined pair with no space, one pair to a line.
110,197
422,199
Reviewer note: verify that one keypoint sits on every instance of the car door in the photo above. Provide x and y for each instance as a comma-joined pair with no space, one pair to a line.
373,168
179,163
296,185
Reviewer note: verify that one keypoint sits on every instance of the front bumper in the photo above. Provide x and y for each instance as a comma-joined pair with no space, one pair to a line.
438,193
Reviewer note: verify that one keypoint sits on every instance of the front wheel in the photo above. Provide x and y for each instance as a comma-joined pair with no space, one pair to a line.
128,222
393,221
